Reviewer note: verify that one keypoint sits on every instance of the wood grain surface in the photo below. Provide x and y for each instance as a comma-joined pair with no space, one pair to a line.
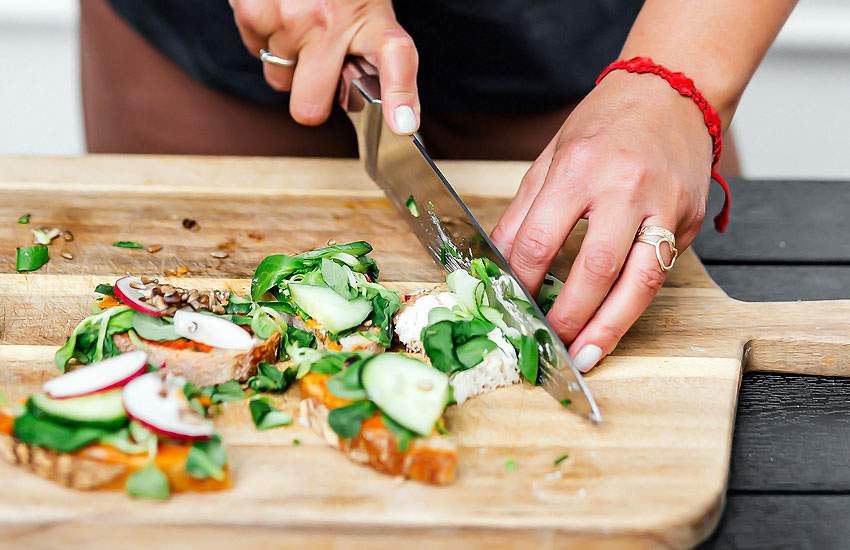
652,476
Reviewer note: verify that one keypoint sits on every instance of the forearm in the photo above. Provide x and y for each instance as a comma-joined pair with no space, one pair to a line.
717,43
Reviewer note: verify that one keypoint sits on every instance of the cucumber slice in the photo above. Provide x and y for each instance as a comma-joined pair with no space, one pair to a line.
407,390
334,312
440,314
102,410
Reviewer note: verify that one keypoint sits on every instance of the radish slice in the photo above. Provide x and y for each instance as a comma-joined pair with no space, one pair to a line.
132,297
98,377
212,331
162,407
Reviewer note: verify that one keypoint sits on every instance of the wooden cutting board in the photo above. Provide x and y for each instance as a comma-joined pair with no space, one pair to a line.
652,476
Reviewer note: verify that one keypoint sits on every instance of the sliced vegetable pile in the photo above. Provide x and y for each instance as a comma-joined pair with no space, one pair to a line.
335,286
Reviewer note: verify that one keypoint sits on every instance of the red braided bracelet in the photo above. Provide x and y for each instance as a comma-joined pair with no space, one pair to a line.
685,86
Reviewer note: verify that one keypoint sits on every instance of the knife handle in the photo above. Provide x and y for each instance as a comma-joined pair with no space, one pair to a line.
356,71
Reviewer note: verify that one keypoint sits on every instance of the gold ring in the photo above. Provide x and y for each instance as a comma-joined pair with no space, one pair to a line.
664,236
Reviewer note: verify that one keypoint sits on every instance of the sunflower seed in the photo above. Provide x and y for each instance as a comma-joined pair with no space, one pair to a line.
204,299
67,255
220,254
137,286
217,309
331,242
196,305
172,299
154,248
148,280
53,233
68,236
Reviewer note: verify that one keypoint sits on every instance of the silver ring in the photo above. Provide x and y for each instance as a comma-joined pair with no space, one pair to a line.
268,57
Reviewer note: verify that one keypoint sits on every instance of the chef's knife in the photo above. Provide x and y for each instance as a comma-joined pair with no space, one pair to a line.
444,225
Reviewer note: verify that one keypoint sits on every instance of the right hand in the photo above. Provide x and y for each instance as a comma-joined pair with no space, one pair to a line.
319,34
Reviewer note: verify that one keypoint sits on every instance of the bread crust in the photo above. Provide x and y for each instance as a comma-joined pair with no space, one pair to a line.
431,459
206,368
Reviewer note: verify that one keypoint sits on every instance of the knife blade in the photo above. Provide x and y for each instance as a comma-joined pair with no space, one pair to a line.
447,229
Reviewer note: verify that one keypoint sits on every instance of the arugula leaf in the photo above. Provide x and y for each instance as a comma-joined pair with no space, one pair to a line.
270,379
91,340
472,352
149,482
106,290
411,205
237,305
45,433
207,459
336,277
403,436
528,358
346,384
127,244
25,219
31,258
158,329
266,416
346,421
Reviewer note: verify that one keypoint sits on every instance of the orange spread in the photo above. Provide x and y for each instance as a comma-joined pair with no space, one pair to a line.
170,458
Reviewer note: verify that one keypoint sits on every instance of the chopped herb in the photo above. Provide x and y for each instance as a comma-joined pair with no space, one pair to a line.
346,421
560,459
31,258
106,290
451,249
127,244
529,358
25,219
430,205
443,254
510,465
270,379
266,416
566,402
207,459
53,435
411,205
296,442
149,482
41,237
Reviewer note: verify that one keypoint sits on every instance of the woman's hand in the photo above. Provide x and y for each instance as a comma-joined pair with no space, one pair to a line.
633,153
319,34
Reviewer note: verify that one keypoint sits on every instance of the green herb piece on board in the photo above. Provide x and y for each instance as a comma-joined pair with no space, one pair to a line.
25,219
127,244
207,459
347,421
266,416
31,258
560,459
149,482
510,465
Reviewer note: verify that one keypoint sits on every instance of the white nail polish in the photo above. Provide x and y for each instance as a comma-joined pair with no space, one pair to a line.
405,119
587,357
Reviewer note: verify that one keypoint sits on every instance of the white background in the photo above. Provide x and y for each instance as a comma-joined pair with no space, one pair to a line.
793,122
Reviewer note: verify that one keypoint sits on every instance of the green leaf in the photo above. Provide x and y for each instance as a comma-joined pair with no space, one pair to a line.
411,205
466,330
121,441
528,358
385,303
566,402
149,482
346,384
41,237
207,459
25,219
473,351
270,272
4,399
271,379
106,290
127,244
44,433
265,416
403,435
296,442
87,343
560,459
295,338
357,248
237,305
336,277
31,258
227,392
346,421
510,465
263,325
158,329
440,348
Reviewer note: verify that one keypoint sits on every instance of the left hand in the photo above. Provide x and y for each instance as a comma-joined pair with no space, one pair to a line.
633,153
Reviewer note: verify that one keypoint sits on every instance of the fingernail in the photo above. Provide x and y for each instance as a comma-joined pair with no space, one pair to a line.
587,357
405,119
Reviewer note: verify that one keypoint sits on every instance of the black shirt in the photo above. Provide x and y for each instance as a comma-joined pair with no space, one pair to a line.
475,55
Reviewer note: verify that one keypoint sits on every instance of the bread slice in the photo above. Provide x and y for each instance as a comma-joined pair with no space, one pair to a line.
499,367
203,365
431,459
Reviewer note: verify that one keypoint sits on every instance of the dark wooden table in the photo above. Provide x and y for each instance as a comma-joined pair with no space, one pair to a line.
789,484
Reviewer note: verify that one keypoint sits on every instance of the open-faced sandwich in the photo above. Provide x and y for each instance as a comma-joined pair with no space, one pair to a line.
331,293
383,410
206,337
112,425
460,332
